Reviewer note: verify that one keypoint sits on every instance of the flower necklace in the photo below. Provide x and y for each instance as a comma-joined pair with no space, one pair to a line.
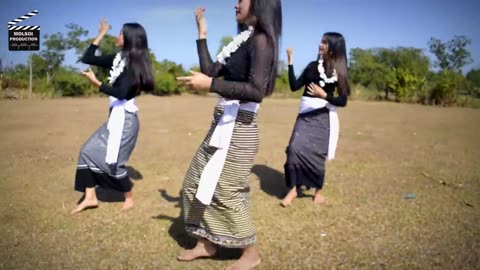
117,67
323,77
234,45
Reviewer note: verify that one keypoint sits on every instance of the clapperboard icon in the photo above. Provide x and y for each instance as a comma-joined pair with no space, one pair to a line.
23,38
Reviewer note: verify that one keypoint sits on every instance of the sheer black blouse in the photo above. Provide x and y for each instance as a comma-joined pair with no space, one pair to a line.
246,72
123,87
311,74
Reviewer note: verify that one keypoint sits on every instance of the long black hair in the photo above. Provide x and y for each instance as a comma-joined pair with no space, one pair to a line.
266,17
135,50
337,59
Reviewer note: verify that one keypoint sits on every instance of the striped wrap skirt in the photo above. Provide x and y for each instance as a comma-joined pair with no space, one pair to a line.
226,221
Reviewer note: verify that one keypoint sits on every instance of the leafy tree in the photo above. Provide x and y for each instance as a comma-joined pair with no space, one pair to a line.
473,76
56,46
452,55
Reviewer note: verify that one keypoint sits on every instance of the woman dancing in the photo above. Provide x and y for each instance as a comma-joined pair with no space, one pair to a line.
315,135
216,188
103,157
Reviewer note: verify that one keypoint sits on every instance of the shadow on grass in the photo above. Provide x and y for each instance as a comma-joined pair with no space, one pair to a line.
178,233
272,182
134,174
110,195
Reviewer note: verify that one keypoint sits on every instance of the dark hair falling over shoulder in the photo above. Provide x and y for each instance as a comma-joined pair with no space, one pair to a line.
136,52
337,59
267,19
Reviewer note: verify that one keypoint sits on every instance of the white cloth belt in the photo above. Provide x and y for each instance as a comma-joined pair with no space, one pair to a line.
221,138
309,104
115,126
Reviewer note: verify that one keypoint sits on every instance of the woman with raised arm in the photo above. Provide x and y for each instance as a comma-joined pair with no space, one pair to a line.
216,187
103,157
315,135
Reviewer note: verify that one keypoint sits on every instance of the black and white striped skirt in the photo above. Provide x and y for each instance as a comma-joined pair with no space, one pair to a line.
226,221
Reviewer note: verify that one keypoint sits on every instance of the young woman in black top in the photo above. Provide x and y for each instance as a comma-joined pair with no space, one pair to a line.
215,190
315,135
103,157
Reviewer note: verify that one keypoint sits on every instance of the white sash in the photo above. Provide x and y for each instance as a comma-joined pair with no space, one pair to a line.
115,126
221,138
309,104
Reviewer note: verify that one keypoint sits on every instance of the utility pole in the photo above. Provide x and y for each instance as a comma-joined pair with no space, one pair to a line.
1,75
30,82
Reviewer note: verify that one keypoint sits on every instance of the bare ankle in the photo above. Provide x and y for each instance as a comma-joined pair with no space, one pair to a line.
249,260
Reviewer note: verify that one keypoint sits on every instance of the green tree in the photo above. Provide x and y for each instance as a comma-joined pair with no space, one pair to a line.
445,85
385,68
56,46
452,55
195,68
405,84
165,74
69,82
367,69
40,66
410,59
473,76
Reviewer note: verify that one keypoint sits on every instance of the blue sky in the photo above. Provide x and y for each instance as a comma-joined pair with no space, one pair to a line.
172,31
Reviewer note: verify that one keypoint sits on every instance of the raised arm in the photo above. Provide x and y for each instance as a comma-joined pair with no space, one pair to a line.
295,83
261,59
207,66
90,58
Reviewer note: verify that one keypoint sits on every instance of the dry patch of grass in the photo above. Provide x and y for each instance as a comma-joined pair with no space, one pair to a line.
384,151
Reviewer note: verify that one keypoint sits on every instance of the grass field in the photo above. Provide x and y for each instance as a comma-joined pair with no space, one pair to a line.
386,150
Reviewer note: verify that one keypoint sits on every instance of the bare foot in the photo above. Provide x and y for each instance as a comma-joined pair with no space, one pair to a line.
319,198
127,204
249,260
292,194
201,250
85,204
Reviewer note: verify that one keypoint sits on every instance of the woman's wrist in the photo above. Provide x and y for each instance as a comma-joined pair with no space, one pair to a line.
99,37
96,82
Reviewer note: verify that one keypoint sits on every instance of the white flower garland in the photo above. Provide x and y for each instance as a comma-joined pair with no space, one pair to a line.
323,77
234,45
117,67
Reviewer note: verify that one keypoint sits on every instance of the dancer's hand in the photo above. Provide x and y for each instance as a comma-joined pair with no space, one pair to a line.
91,77
316,91
102,31
290,56
201,23
196,81
104,26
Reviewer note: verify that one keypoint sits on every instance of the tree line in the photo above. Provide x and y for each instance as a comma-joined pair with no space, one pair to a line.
404,74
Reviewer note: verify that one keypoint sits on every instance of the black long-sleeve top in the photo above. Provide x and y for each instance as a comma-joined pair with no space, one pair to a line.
123,87
246,72
309,75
